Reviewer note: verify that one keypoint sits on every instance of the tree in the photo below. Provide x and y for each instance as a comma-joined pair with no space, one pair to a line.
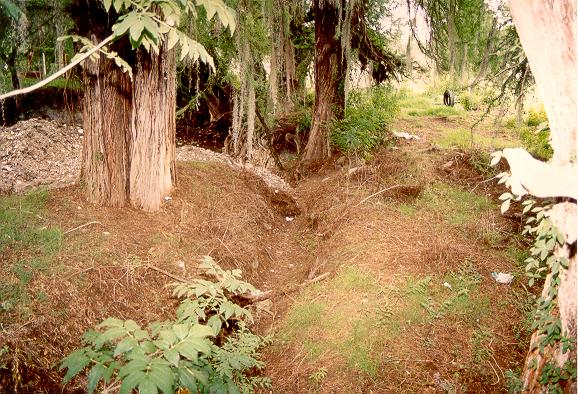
547,32
341,26
129,113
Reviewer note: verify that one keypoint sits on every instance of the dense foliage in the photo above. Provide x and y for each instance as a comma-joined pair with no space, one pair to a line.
206,348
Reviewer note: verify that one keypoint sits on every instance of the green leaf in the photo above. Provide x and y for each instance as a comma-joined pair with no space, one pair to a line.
94,376
147,386
162,376
75,362
130,381
111,322
133,367
109,335
187,351
172,356
107,4
201,331
181,330
125,345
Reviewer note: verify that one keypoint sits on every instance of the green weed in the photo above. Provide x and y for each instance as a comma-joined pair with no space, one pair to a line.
462,138
19,224
366,119
453,204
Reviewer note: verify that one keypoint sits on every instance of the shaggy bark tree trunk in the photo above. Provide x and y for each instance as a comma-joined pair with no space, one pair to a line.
547,31
107,115
153,127
330,72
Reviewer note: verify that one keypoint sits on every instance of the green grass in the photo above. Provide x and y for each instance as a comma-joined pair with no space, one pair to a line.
19,224
461,138
423,105
351,320
455,205
27,247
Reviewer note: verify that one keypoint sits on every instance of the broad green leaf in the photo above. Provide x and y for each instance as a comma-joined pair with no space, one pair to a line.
94,376
181,330
172,356
107,4
75,362
110,335
132,367
173,38
147,386
187,351
125,345
130,381
201,331
162,376
111,322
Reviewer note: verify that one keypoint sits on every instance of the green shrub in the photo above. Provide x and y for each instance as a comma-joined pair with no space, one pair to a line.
366,119
537,142
470,101
179,354
536,116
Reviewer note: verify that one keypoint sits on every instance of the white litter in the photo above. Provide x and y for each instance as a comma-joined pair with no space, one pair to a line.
289,218
446,284
502,277
404,135
168,198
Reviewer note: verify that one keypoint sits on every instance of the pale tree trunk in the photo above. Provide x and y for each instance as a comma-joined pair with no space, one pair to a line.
452,39
547,31
487,51
330,72
153,126
106,114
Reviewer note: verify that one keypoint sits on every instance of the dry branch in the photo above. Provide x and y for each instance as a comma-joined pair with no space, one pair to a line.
251,299
81,226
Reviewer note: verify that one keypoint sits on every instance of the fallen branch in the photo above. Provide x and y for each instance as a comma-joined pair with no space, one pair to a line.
251,299
81,226
167,273
377,193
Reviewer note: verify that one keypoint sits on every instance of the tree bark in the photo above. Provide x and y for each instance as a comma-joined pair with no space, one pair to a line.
153,127
330,72
106,115
547,31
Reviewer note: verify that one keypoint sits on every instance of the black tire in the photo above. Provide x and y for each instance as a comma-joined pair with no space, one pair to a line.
449,99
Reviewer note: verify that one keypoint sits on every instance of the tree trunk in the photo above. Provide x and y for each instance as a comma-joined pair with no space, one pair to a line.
547,31
452,40
107,115
330,72
153,127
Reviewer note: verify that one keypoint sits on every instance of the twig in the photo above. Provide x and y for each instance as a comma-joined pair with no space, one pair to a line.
272,293
81,226
167,273
377,193
60,73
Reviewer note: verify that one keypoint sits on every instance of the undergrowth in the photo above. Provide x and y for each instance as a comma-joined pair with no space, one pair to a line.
367,117
26,246
207,348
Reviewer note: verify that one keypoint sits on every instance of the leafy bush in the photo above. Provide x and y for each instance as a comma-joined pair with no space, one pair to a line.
536,116
366,118
179,354
537,142
470,101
